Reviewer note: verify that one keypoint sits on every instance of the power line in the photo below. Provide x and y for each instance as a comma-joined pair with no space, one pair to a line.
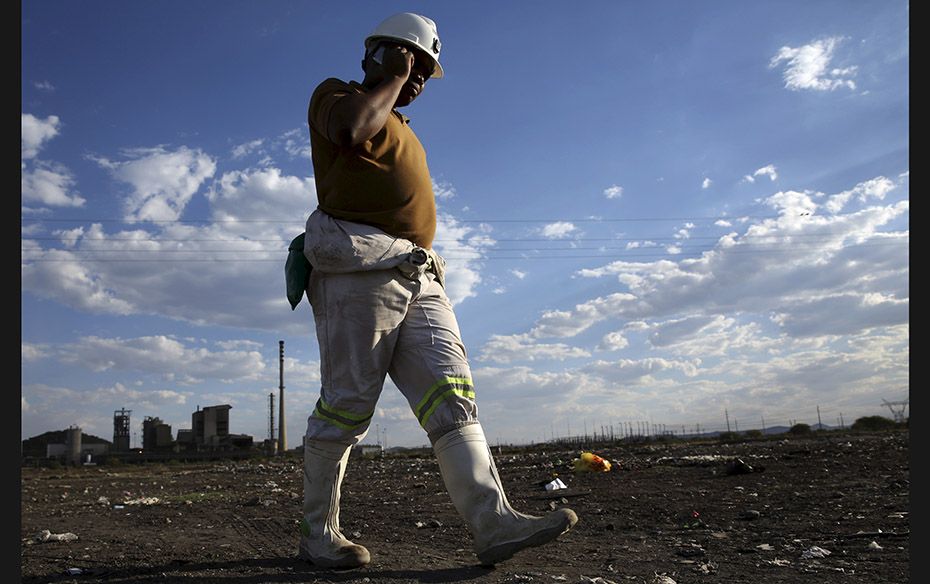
489,254
291,220
645,238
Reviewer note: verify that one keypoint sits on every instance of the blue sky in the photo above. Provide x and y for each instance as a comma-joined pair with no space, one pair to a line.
670,213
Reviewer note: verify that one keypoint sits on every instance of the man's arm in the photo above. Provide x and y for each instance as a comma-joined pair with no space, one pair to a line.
356,118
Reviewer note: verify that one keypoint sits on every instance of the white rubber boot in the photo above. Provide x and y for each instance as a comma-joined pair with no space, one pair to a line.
320,539
473,483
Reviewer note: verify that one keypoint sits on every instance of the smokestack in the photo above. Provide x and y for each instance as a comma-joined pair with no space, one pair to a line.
282,433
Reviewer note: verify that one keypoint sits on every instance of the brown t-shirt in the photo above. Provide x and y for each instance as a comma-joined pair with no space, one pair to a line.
383,182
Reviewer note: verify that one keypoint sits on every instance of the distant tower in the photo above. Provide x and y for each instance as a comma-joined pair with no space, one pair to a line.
121,430
73,445
271,444
282,433
897,410
271,416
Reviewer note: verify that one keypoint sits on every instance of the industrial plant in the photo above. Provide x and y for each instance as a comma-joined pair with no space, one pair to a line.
208,437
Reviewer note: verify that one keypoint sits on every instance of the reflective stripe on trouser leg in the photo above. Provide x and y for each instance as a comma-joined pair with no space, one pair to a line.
358,321
430,365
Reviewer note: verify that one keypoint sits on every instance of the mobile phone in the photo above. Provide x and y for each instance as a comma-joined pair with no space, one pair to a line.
378,54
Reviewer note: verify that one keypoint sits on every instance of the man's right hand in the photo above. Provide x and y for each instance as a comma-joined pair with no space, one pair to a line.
397,61
356,118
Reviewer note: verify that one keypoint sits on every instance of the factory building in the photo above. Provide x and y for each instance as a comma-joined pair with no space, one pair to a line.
156,435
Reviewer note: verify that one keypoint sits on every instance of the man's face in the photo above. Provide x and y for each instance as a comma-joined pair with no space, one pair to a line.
422,70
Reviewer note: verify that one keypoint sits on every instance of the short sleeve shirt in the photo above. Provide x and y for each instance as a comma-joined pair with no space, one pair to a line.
383,182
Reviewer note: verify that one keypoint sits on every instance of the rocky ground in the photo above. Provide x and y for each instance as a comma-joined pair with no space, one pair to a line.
830,508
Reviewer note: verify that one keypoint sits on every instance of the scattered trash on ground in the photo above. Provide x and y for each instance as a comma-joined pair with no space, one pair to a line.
590,462
814,552
662,579
142,501
777,562
765,547
874,546
431,523
74,571
46,535
556,485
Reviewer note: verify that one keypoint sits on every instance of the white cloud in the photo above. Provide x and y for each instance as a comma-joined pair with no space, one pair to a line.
563,323
243,150
43,86
613,192
510,348
722,223
613,342
684,232
69,237
50,184
558,230
162,181
776,266
443,191
792,204
768,171
234,344
296,143
63,276
463,248
808,67
239,198
672,331
36,132
144,397
186,270
875,188
91,409
159,355
293,143
33,351
627,370
830,315
706,183
519,274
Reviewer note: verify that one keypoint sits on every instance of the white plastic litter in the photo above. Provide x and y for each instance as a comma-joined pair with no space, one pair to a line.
814,552
556,485
142,501
46,535
874,546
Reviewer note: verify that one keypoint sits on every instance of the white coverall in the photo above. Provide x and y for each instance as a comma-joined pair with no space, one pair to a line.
378,314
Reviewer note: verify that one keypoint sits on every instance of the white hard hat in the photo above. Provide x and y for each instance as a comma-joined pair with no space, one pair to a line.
410,28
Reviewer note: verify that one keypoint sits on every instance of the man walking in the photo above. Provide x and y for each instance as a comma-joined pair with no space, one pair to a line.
380,308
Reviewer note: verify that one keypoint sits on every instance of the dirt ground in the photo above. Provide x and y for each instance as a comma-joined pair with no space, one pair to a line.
665,512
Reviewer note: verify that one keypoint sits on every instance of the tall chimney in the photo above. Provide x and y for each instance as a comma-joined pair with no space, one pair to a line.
282,433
